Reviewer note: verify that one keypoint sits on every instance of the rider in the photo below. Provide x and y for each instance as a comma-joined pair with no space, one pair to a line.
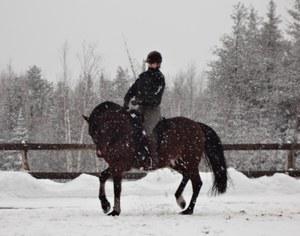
147,93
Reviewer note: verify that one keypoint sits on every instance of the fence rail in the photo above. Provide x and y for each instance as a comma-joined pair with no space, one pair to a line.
76,146
131,175
25,147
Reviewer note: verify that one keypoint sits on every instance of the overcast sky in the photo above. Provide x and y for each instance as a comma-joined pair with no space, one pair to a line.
33,31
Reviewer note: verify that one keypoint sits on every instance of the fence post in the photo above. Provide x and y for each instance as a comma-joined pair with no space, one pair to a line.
291,159
25,164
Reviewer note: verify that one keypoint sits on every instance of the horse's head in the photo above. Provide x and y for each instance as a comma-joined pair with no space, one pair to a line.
108,123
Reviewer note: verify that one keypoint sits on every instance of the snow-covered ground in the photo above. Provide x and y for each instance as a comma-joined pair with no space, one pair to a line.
263,206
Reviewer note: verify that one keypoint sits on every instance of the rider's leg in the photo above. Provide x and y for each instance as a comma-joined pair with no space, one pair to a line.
152,116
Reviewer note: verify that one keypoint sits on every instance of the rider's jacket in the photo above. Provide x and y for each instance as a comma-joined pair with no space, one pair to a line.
147,89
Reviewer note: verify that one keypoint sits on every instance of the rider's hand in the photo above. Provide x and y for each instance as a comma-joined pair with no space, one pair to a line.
136,102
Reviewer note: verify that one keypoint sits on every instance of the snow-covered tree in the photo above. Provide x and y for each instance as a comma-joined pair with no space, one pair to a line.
12,160
20,132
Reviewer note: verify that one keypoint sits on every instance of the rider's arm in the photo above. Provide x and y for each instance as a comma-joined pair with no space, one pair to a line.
130,94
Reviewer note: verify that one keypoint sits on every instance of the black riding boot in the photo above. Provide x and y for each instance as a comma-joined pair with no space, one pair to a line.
154,154
152,160
143,157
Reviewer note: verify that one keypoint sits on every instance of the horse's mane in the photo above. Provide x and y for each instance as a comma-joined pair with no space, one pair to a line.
106,106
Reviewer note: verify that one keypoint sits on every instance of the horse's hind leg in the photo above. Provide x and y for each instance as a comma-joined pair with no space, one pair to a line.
196,184
102,196
185,178
178,194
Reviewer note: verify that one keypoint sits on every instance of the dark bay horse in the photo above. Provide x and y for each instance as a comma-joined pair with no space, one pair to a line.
182,144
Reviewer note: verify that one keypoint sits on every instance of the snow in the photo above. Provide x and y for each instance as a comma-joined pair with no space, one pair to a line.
263,206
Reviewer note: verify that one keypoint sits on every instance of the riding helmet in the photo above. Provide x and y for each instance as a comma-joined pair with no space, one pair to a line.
154,57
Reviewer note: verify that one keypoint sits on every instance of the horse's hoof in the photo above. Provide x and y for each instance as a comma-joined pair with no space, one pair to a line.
114,213
105,207
187,212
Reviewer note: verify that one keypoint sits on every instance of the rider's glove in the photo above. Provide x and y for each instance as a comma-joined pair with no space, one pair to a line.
136,102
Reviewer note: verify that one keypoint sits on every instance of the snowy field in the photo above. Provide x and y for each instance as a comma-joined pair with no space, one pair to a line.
263,206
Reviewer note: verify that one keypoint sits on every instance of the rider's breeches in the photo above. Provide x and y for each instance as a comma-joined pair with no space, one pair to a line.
152,116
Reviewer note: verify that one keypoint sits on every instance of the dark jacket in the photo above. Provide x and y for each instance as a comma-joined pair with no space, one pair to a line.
147,89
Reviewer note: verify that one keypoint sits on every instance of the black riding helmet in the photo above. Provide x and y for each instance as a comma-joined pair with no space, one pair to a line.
154,57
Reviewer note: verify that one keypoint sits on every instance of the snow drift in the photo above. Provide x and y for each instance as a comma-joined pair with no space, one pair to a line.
160,182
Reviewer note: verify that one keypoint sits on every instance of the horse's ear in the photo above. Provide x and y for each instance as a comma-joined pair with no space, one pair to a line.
86,118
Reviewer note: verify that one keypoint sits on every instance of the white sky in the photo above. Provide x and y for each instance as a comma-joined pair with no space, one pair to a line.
33,31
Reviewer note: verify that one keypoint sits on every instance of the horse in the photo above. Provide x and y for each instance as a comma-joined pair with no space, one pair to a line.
182,143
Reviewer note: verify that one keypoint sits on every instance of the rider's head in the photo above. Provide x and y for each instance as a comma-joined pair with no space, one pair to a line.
154,60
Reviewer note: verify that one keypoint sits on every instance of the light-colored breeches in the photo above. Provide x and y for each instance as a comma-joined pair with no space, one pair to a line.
152,116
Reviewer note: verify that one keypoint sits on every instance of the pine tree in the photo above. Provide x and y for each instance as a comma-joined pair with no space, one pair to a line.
227,77
38,102
273,71
294,32
12,159
294,27
20,132
294,75
13,101
253,58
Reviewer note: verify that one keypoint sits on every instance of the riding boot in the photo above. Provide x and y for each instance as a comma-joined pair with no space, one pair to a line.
151,118
153,157
143,159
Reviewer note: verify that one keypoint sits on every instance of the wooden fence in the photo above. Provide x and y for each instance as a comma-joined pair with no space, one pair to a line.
25,147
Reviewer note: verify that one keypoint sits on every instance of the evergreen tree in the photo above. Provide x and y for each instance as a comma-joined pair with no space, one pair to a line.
38,103
294,60
12,160
293,83
273,71
20,132
226,76
253,58
13,101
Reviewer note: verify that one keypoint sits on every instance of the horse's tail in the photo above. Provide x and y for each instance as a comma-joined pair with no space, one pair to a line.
215,159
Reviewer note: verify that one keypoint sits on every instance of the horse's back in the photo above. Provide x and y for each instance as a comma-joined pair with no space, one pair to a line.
180,135
176,124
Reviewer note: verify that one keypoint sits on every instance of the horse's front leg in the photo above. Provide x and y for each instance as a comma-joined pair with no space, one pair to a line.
102,196
117,179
